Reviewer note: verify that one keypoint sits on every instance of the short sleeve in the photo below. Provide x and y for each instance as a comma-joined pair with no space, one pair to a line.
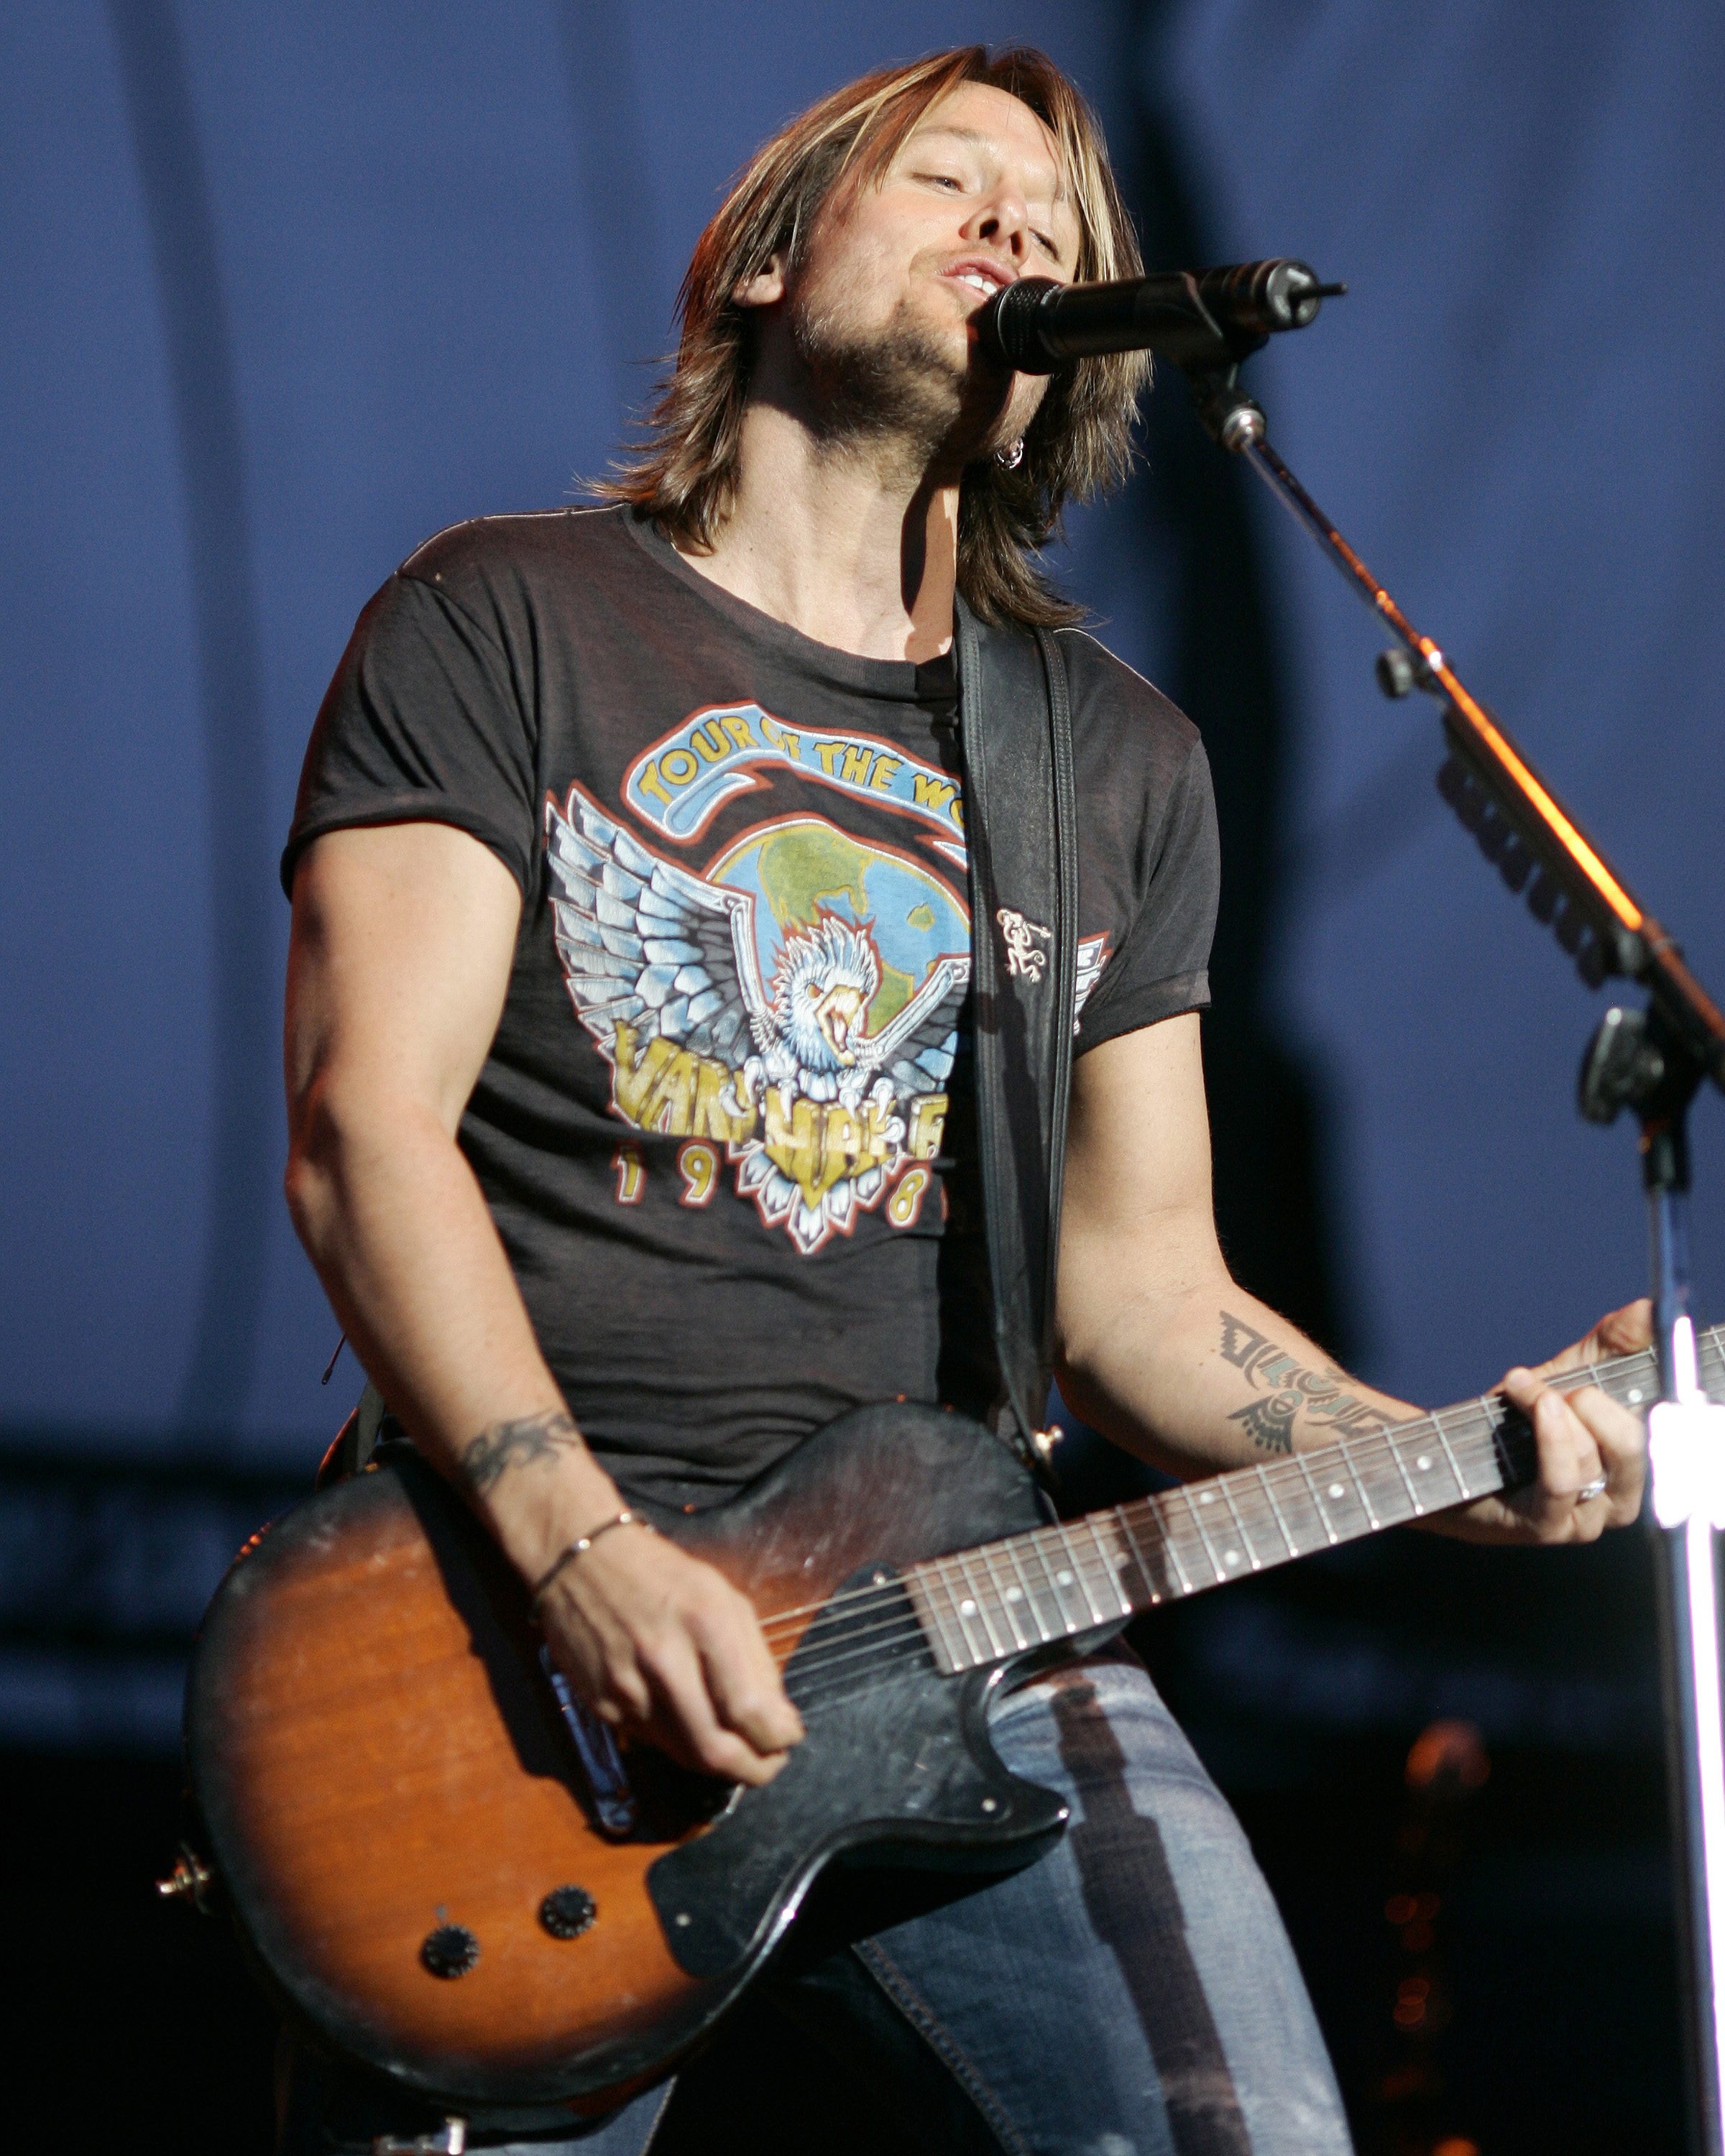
1163,966
421,724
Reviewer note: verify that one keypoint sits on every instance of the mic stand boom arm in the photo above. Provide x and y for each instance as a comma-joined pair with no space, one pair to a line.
1652,1061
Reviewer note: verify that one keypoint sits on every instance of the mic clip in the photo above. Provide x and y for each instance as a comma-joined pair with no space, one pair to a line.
1228,415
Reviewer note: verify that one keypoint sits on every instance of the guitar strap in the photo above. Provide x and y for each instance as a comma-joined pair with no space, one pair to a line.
1015,728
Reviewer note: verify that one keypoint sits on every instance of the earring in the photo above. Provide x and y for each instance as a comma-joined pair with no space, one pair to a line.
1011,456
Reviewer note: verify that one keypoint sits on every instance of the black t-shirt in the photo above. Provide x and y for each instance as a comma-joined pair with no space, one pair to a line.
725,1128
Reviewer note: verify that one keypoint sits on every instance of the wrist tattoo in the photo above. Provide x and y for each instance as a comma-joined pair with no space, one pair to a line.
1289,1390
519,1444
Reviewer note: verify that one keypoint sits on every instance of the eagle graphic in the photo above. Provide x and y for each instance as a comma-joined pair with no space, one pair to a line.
648,944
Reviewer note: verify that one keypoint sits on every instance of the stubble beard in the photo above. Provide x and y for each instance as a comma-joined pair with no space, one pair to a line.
896,394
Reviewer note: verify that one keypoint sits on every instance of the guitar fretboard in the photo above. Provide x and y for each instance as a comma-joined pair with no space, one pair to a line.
981,1606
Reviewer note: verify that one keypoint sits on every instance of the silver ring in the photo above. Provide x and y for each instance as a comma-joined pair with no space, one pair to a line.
1589,1491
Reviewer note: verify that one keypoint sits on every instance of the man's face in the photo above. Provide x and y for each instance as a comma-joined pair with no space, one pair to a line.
880,311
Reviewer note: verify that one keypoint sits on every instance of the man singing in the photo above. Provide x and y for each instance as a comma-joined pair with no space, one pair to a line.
617,1208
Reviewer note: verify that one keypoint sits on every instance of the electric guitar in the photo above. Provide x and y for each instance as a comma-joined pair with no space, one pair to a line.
448,1869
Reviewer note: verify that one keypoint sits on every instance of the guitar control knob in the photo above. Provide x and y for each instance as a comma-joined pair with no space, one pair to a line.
567,1911
451,1950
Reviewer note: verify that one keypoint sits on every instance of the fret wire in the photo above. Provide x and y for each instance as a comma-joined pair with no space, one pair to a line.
1170,1542
1401,1465
1323,1517
1078,1572
1347,1462
1151,1588
1437,1423
1486,1443
1488,1472
1287,1470
1474,1449
1422,1509
1040,1540
981,1600
1227,1483
964,1623
926,1573
1110,1571
1203,1535
1251,1493
1281,1524
1004,1596
978,1622
1012,1548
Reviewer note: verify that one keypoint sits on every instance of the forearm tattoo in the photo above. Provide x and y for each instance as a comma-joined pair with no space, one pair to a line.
507,1445
1288,1390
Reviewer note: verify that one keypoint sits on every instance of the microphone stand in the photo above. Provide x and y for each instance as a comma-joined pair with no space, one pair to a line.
1651,1060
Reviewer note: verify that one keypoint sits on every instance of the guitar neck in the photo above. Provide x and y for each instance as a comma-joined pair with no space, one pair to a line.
983,1605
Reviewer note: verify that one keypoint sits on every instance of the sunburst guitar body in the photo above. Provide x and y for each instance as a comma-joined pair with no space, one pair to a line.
449,1872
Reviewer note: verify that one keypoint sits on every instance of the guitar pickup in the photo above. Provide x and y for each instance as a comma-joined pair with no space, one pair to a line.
614,1802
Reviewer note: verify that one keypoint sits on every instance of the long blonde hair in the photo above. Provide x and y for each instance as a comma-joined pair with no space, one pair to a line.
684,471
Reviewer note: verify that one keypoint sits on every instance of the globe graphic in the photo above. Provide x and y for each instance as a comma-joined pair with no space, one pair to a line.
804,867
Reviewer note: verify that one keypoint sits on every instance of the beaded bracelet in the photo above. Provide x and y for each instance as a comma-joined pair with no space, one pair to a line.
580,1548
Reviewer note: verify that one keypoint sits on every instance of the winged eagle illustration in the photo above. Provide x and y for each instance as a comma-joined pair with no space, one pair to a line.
648,944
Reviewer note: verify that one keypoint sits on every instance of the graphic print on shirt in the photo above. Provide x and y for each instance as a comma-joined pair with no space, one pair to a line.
800,1001
680,782
799,1004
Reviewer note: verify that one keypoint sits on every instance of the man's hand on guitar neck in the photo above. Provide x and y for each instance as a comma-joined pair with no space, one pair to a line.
402,940
1593,1454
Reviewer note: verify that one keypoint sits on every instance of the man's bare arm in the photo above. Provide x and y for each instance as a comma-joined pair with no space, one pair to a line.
402,941
1161,1350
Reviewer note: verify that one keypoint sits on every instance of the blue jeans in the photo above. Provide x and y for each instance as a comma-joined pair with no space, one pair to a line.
1133,1993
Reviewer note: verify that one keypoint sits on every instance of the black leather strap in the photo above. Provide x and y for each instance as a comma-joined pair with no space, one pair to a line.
1015,726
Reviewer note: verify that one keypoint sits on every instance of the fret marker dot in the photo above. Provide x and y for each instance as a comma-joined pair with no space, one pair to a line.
1423,1462
1015,1594
1634,1398
1230,1557
1337,1490
966,1608
1122,1561
1207,1497
1063,1578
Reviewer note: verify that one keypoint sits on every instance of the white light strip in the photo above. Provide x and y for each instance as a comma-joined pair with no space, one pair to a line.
1710,1759
1685,1373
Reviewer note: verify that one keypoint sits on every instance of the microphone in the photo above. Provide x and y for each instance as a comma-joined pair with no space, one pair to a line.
1211,318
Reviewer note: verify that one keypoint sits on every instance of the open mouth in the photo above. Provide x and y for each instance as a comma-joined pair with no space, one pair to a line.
836,1013
984,280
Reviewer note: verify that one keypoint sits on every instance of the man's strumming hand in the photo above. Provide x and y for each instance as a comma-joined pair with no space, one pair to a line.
656,1641
661,1644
